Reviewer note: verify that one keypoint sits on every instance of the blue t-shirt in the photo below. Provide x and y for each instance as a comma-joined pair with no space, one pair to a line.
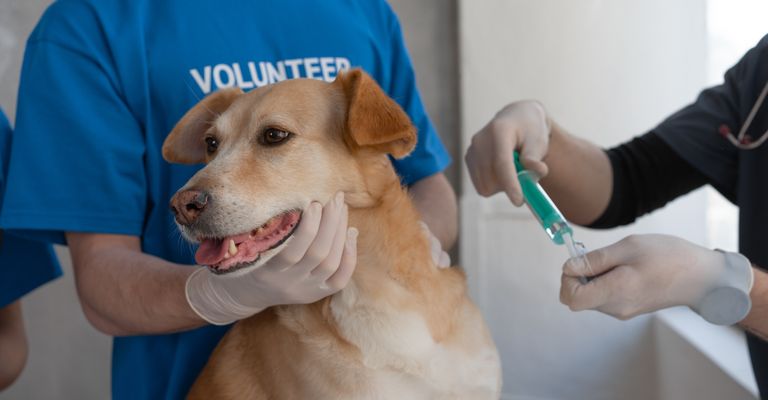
24,264
103,83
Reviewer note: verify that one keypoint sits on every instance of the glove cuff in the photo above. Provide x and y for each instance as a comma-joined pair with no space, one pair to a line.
728,302
203,300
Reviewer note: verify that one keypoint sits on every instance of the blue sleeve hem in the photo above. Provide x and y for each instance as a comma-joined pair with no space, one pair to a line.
18,292
25,266
426,169
50,228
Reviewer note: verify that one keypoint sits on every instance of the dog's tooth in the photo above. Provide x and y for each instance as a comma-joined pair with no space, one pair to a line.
232,247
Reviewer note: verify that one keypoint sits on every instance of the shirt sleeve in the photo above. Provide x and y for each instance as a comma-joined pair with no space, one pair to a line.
77,154
647,174
5,150
430,156
693,132
24,266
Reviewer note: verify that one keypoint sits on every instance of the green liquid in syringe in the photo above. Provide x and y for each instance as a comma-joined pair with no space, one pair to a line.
550,218
541,205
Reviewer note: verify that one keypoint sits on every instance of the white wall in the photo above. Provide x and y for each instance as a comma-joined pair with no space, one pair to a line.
606,70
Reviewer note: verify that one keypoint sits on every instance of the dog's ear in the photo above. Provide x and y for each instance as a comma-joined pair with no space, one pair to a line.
373,119
186,142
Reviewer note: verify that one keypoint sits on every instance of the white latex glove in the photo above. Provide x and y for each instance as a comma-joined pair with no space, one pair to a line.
522,126
317,261
439,256
645,273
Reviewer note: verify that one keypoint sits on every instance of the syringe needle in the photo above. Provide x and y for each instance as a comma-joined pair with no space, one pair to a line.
578,251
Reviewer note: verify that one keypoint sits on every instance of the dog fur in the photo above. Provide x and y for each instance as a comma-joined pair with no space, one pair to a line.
402,328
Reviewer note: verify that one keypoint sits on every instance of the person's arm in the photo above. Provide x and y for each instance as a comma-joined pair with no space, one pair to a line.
124,291
435,200
13,344
757,319
647,174
645,273
591,186
576,173
580,178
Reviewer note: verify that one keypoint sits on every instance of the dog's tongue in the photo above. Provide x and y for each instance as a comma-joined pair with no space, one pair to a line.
215,252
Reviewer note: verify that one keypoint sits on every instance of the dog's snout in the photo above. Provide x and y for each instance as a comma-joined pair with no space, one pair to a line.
187,205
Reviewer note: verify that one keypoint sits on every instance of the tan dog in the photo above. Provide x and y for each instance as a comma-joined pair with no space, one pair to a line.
402,328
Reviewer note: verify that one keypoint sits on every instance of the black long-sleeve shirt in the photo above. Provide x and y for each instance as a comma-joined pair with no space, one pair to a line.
647,174
686,151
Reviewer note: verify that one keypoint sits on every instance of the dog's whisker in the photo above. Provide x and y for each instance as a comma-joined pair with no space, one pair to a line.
198,98
194,93
175,235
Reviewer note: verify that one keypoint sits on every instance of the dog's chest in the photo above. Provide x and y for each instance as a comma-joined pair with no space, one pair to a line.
403,359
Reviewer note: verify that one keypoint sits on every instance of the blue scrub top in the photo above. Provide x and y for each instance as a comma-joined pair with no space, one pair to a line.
24,264
104,81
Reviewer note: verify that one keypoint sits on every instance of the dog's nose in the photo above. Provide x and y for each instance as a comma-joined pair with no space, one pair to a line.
187,205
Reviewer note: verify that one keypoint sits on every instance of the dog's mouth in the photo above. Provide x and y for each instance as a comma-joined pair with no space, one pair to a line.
230,253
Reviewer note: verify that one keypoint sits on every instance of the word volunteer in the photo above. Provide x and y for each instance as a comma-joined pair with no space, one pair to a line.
255,74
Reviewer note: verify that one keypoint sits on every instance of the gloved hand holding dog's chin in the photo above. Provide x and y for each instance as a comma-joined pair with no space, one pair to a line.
645,273
317,261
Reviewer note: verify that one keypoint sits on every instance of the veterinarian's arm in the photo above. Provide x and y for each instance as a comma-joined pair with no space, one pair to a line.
645,273
756,321
577,174
436,202
13,344
124,291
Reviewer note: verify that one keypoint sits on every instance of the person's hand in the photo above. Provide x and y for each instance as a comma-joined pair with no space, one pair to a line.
522,126
645,273
439,256
317,261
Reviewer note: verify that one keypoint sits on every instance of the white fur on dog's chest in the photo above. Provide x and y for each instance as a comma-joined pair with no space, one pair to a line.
403,359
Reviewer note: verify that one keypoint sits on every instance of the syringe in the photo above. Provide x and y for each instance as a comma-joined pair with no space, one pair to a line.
545,211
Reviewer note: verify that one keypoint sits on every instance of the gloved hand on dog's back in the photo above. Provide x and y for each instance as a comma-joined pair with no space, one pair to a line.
439,256
317,261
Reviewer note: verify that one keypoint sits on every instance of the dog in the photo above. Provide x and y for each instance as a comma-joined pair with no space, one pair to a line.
402,328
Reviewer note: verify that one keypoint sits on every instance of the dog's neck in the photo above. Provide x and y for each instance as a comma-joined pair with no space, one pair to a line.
390,238
394,260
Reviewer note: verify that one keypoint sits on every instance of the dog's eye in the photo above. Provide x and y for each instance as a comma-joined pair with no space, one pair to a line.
212,144
274,136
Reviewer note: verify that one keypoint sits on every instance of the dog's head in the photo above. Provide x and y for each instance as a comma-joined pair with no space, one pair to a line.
272,151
